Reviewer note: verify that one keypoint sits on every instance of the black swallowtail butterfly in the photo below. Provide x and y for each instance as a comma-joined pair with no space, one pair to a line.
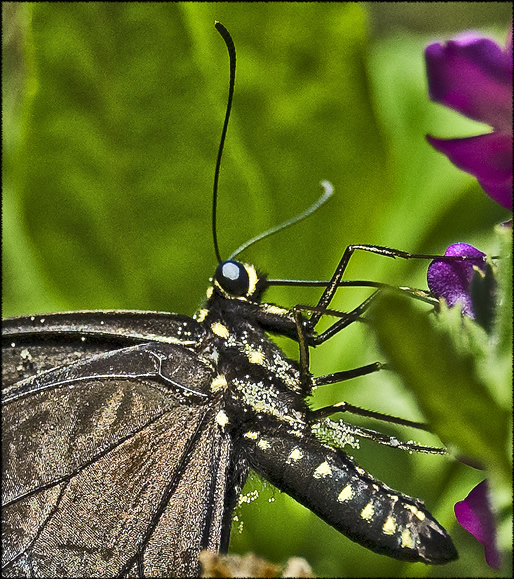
127,436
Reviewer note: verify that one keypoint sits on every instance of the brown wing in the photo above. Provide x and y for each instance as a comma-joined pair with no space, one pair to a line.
114,475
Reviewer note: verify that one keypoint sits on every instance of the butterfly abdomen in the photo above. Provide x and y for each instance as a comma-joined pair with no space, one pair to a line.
331,485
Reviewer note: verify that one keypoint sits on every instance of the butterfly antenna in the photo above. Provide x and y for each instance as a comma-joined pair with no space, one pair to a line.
328,191
232,56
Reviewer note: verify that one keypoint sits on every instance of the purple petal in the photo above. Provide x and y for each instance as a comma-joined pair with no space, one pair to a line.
473,76
487,157
451,280
500,191
475,515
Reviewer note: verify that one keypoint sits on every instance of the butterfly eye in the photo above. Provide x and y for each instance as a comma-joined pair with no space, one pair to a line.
233,278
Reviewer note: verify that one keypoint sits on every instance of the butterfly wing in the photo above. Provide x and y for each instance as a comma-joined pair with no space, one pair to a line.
112,460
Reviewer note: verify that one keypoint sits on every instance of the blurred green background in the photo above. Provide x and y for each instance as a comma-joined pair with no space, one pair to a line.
112,114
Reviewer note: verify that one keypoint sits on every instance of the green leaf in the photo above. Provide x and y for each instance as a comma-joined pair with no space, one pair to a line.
503,329
442,369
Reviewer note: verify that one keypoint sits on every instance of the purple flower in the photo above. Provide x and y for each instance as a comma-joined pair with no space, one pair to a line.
475,515
473,76
451,280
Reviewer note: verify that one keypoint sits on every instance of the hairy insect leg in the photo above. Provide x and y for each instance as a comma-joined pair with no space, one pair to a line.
320,417
346,407
304,341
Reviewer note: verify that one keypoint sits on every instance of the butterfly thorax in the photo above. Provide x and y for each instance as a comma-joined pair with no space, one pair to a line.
254,378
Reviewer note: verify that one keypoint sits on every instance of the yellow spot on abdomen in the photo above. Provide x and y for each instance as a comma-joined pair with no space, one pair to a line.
367,512
346,494
407,539
389,526
415,511
323,470
295,455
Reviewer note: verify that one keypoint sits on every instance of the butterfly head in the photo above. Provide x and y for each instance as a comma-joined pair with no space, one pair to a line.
241,281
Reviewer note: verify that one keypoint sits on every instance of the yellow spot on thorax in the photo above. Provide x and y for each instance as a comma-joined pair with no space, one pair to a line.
201,315
272,309
219,383
263,444
256,357
297,433
220,330
251,434
222,418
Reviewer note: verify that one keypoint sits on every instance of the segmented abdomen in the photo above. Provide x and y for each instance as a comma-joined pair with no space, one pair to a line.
345,496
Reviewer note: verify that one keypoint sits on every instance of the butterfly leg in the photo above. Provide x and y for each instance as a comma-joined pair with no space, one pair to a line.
304,341
336,282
